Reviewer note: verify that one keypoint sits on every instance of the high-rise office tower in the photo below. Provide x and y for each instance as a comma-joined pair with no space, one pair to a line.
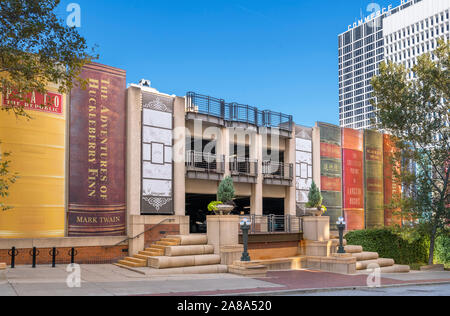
400,35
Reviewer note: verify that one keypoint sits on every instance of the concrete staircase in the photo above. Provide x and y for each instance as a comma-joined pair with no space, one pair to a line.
189,253
364,259
156,249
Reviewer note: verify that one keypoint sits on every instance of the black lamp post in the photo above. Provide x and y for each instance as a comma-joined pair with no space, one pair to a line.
245,226
341,226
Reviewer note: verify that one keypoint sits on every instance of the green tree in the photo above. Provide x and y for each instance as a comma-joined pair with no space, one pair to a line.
36,48
226,192
416,112
6,179
315,198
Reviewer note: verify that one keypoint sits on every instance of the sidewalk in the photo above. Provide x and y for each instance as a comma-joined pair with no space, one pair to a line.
107,280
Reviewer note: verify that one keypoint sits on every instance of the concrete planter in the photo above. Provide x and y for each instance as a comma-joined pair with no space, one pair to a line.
224,209
316,228
223,230
314,212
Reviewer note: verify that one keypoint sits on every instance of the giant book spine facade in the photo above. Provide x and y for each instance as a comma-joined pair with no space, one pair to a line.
392,186
353,178
97,200
38,156
331,170
373,166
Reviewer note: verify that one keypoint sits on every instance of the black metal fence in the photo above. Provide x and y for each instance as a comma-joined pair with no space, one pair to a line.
244,166
274,224
205,162
234,112
278,170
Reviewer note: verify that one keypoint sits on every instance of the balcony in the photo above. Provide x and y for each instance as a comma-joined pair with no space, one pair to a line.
276,173
204,166
217,111
244,170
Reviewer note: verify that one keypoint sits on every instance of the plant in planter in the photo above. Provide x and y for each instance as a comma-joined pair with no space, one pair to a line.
213,206
226,194
314,206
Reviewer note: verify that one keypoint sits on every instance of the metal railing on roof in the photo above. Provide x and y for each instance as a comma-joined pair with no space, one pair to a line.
235,112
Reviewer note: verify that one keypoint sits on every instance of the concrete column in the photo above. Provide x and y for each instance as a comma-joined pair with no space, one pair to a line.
223,148
316,228
256,199
223,231
136,227
289,157
179,150
134,118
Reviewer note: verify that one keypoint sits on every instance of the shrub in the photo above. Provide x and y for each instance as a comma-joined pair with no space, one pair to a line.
405,246
225,192
212,207
442,250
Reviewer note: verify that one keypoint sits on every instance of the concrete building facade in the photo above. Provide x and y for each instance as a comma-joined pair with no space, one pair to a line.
399,35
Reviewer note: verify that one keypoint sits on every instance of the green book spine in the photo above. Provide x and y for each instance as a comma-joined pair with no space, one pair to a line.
373,181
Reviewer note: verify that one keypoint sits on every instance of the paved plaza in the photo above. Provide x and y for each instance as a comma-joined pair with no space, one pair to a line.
109,280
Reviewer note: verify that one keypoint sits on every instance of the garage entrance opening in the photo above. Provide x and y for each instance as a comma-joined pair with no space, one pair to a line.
242,206
273,207
197,210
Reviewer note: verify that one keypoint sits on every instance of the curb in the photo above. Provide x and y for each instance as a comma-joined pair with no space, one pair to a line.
315,290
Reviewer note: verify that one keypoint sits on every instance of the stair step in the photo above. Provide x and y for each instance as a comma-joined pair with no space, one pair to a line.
177,251
209,269
185,261
353,249
365,255
191,240
136,260
158,246
396,268
167,243
151,249
131,264
143,257
175,240
150,253
381,262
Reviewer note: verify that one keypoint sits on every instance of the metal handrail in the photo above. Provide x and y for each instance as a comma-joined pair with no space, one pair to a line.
235,112
206,161
274,224
278,170
170,220
245,166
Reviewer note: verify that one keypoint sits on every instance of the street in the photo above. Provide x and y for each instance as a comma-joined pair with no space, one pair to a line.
417,290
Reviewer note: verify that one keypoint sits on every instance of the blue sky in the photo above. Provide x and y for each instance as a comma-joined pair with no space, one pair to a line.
279,55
